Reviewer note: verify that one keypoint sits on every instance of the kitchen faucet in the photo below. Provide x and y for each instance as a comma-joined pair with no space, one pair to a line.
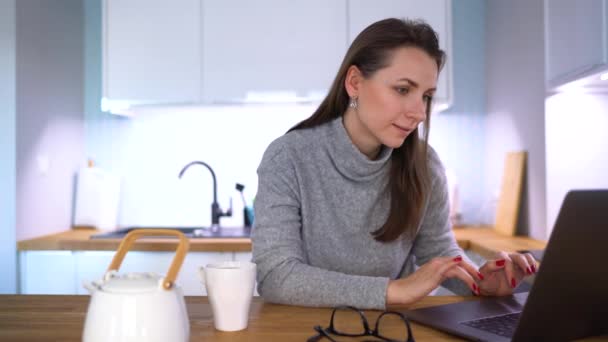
216,212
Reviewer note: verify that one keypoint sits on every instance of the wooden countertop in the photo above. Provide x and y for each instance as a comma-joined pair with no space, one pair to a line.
61,318
78,239
481,240
486,241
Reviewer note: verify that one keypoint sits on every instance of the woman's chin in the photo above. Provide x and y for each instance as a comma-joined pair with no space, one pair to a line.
394,142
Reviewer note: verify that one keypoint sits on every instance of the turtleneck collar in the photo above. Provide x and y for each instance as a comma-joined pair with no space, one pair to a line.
347,158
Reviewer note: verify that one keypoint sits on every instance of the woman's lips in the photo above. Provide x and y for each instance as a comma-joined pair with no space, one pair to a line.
403,129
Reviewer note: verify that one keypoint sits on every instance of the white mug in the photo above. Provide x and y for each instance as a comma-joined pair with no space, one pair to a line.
230,286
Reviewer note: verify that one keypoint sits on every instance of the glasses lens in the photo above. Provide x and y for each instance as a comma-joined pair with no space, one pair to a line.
392,326
348,322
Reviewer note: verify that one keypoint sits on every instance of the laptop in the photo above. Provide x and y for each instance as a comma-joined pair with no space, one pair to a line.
569,297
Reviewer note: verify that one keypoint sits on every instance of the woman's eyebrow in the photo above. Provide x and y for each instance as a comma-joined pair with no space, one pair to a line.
414,84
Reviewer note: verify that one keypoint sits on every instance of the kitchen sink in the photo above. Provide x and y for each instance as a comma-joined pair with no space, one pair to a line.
190,232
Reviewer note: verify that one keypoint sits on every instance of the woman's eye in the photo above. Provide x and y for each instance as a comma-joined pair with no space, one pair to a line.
428,98
402,90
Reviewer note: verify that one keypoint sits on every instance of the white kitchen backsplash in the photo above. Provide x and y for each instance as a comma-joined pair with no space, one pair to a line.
158,142
148,151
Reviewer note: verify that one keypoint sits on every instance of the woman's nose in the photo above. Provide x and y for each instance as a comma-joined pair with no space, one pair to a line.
417,112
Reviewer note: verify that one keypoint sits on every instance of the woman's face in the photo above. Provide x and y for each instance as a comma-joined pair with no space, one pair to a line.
392,102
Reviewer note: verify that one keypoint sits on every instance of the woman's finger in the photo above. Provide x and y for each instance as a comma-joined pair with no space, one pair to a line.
509,271
531,261
460,273
493,266
472,270
519,260
446,263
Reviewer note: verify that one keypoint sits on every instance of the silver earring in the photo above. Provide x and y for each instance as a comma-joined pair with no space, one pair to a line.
353,103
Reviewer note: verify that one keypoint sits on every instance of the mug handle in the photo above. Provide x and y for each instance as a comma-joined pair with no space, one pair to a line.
178,259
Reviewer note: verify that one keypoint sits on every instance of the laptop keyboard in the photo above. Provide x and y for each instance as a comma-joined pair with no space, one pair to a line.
503,325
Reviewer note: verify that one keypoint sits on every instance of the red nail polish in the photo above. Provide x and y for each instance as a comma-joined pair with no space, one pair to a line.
480,275
513,282
457,259
500,262
528,270
533,268
474,287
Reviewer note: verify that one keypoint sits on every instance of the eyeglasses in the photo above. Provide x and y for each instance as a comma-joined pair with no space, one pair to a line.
348,321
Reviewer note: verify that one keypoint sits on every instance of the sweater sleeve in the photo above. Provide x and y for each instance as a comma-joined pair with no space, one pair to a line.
435,237
283,273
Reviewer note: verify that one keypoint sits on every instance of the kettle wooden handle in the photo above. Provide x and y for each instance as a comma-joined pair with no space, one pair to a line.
178,259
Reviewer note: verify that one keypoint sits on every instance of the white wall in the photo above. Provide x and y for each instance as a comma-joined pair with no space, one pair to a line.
577,146
515,102
50,120
8,269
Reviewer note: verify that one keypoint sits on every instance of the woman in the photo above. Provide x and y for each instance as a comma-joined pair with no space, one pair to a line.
352,204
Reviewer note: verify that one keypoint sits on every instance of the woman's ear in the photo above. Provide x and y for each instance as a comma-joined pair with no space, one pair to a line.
352,82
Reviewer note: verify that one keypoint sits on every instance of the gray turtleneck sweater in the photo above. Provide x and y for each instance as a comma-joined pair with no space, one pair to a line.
318,200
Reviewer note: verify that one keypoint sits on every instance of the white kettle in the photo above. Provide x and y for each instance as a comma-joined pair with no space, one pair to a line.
138,306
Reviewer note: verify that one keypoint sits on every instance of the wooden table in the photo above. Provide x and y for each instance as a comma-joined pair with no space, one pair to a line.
61,318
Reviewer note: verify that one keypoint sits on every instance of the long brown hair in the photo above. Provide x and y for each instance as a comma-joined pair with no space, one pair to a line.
409,180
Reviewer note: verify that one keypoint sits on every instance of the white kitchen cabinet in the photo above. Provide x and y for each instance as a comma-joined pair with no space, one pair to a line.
242,256
437,13
46,272
189,278
246,256
151,52
576,39
91,265
271,50
235,51
64,272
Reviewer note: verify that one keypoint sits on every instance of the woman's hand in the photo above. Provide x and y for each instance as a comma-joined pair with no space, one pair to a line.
428,277
503,274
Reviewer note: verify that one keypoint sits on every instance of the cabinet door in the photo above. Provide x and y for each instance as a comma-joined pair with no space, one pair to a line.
246,256
575,33
46,272
271,49
91,265
437,13
189,278
152,51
